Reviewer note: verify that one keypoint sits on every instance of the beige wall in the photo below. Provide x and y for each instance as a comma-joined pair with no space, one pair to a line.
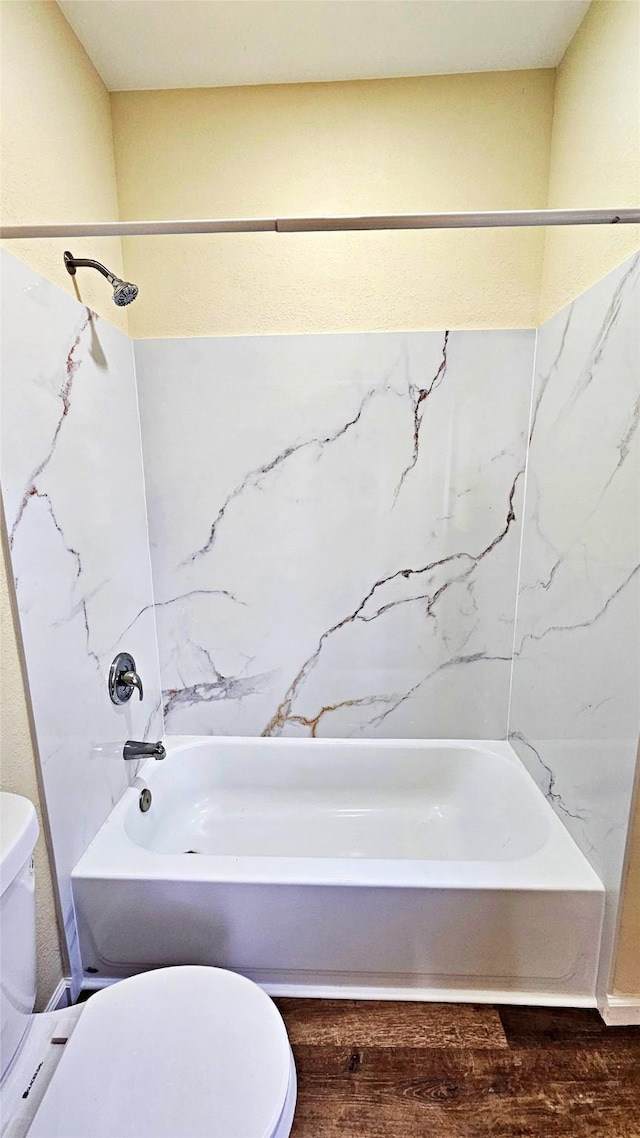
627,968
449,142
18,775
442,142
595,149
56,146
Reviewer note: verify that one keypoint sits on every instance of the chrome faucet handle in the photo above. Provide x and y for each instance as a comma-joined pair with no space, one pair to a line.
132,679
123,678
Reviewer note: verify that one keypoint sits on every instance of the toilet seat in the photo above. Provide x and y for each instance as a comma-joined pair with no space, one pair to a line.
185,1052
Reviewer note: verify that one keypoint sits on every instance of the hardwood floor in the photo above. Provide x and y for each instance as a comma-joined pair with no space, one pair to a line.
408,1070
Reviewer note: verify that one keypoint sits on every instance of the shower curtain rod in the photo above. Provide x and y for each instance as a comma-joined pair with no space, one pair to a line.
485,220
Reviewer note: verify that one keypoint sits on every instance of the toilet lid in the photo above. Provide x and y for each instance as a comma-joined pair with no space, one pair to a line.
184,1052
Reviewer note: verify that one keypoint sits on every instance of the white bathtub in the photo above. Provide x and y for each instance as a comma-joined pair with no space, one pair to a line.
400,869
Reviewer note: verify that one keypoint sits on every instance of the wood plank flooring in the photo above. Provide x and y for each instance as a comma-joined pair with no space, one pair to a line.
409,1070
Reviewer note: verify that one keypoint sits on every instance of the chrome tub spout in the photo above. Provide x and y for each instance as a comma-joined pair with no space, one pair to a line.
134,750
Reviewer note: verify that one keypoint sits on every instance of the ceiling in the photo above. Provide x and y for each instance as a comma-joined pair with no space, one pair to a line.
159,44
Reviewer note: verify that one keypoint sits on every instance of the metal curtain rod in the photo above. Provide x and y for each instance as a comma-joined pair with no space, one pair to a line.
485,220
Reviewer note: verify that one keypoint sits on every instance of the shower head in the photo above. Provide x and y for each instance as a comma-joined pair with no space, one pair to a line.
123,291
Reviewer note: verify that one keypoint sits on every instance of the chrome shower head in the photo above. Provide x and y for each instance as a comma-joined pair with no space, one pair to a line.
123,291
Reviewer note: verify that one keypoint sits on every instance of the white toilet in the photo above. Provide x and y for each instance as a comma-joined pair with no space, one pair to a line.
184,1052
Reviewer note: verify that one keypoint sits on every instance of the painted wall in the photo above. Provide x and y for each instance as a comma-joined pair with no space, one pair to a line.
442,142
56,146
437,143
18,775
627,970
575,707
73,491
595,149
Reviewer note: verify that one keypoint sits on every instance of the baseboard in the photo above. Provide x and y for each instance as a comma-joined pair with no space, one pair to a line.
621,1011
298,990
429,995
61,996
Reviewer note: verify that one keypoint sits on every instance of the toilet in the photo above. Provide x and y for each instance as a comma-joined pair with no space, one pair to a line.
179,1052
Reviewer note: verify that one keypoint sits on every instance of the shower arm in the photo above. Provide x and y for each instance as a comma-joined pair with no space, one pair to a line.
73,263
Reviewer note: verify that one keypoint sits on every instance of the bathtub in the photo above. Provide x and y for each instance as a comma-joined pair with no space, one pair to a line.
356,868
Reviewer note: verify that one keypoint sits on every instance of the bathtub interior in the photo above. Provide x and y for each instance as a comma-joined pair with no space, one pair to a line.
279,798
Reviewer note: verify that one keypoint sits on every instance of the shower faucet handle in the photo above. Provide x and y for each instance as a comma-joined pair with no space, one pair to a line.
123,679
132,679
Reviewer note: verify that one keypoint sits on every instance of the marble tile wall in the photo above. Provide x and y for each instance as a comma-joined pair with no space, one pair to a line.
73,488
575,708
335,529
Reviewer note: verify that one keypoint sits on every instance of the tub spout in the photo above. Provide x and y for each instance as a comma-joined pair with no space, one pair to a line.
134,750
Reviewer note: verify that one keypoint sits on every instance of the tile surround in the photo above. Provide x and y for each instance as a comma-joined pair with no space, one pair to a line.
71,470
575,708
334,525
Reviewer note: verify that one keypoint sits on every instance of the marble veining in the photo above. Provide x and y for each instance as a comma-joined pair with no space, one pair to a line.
255,477
335,526
418,395
73,490
575,707
436,580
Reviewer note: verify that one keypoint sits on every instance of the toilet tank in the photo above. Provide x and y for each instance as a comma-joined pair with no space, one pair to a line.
18,836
